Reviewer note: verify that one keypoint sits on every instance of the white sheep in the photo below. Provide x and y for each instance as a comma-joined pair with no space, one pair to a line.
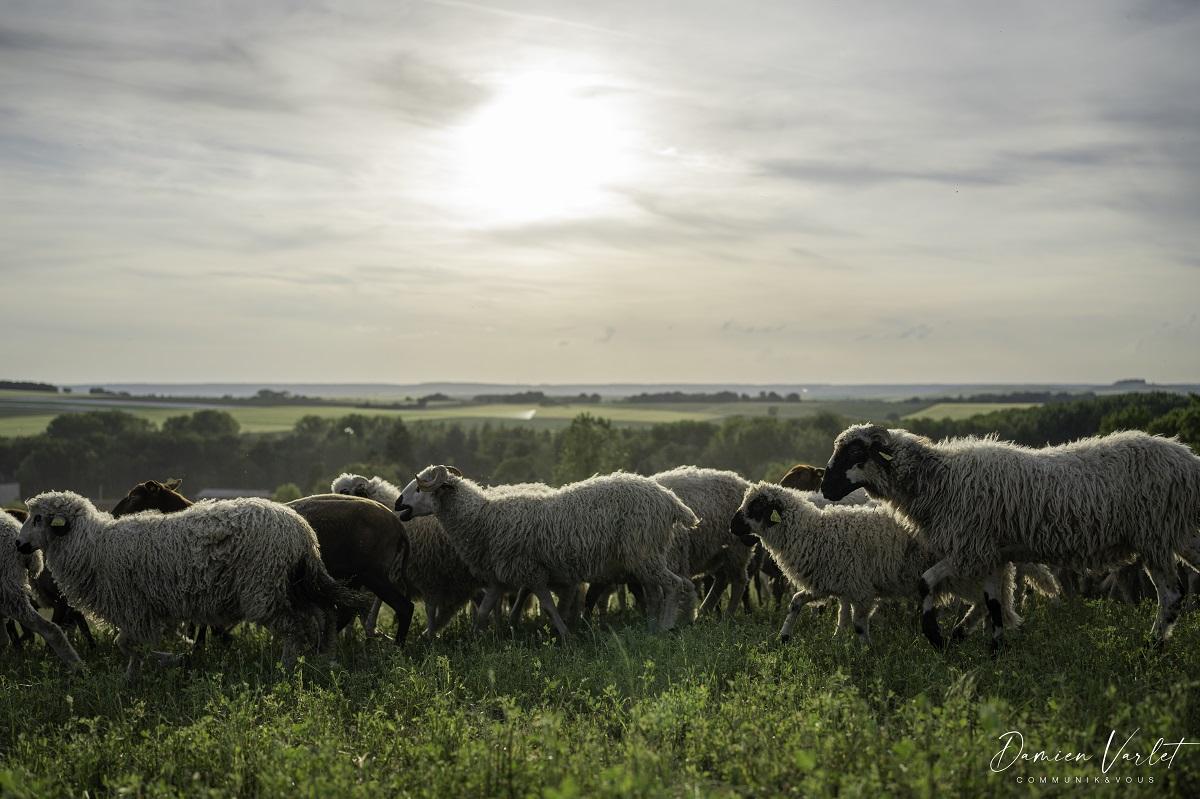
980,502
858,554
215,563
714,496
434,573
16,593
601,529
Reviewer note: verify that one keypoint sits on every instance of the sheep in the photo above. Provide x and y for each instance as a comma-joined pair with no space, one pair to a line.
434,572
600,529
214,563
362,542
713,496
856,554
980,502
16,594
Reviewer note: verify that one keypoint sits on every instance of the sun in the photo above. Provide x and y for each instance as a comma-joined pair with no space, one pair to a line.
548,146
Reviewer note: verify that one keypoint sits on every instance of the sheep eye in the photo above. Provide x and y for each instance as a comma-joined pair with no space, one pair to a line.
37,520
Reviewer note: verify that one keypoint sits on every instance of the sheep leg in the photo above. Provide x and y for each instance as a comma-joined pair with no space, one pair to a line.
597,594
844,615
739,592
546,600
401,605
969,622
133,668
1170,601
799,600
50,632
372,618
570,605
4,636
712,599
860,614
66,617
926,586
490,598
518,606
9,633
991,597
431,615
687,599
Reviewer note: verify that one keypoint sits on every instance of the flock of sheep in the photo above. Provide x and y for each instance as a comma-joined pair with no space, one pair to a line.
897,517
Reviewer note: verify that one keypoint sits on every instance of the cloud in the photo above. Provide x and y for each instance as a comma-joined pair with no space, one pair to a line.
730,326
869,175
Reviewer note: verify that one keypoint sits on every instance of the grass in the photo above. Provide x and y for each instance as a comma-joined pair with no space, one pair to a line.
965,410
714,710
30,413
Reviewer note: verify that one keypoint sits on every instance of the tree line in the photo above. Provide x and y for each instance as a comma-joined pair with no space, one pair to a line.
104,453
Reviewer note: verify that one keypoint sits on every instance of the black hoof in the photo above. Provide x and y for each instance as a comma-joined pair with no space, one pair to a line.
783,639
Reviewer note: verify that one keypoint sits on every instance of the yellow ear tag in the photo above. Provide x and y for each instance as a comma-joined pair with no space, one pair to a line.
775,517
884,455
58,521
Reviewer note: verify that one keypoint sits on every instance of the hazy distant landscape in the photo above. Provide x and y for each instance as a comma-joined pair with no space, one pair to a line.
28,413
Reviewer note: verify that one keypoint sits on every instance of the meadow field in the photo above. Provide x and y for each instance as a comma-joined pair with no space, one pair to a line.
717,709
28,413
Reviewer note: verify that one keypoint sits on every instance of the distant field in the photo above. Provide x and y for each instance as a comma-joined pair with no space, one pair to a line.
28,413
965,410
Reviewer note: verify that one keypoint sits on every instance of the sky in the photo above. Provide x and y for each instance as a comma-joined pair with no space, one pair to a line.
672,191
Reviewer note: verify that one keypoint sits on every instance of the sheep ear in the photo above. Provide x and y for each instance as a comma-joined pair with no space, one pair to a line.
454,471
173,484
59,525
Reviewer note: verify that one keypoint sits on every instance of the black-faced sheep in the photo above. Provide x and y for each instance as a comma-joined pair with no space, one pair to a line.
1097,502
857,554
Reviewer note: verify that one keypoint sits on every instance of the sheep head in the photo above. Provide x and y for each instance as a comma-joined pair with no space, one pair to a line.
354,485
417,497
152,495
862,457
759,511
51,516
803,477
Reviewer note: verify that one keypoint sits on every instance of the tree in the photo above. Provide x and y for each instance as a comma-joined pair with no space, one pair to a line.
287,492
589,446
205,423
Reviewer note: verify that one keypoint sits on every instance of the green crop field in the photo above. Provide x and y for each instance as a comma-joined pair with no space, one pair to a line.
27,413
717,709
964,410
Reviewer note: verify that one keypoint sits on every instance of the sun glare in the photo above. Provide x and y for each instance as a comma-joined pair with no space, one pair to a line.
545,148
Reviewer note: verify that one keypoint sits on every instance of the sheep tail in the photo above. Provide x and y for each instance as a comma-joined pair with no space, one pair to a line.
399,565
311,585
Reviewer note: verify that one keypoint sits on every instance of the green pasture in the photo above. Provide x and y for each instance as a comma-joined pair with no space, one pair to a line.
718,709
28,413
964,410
